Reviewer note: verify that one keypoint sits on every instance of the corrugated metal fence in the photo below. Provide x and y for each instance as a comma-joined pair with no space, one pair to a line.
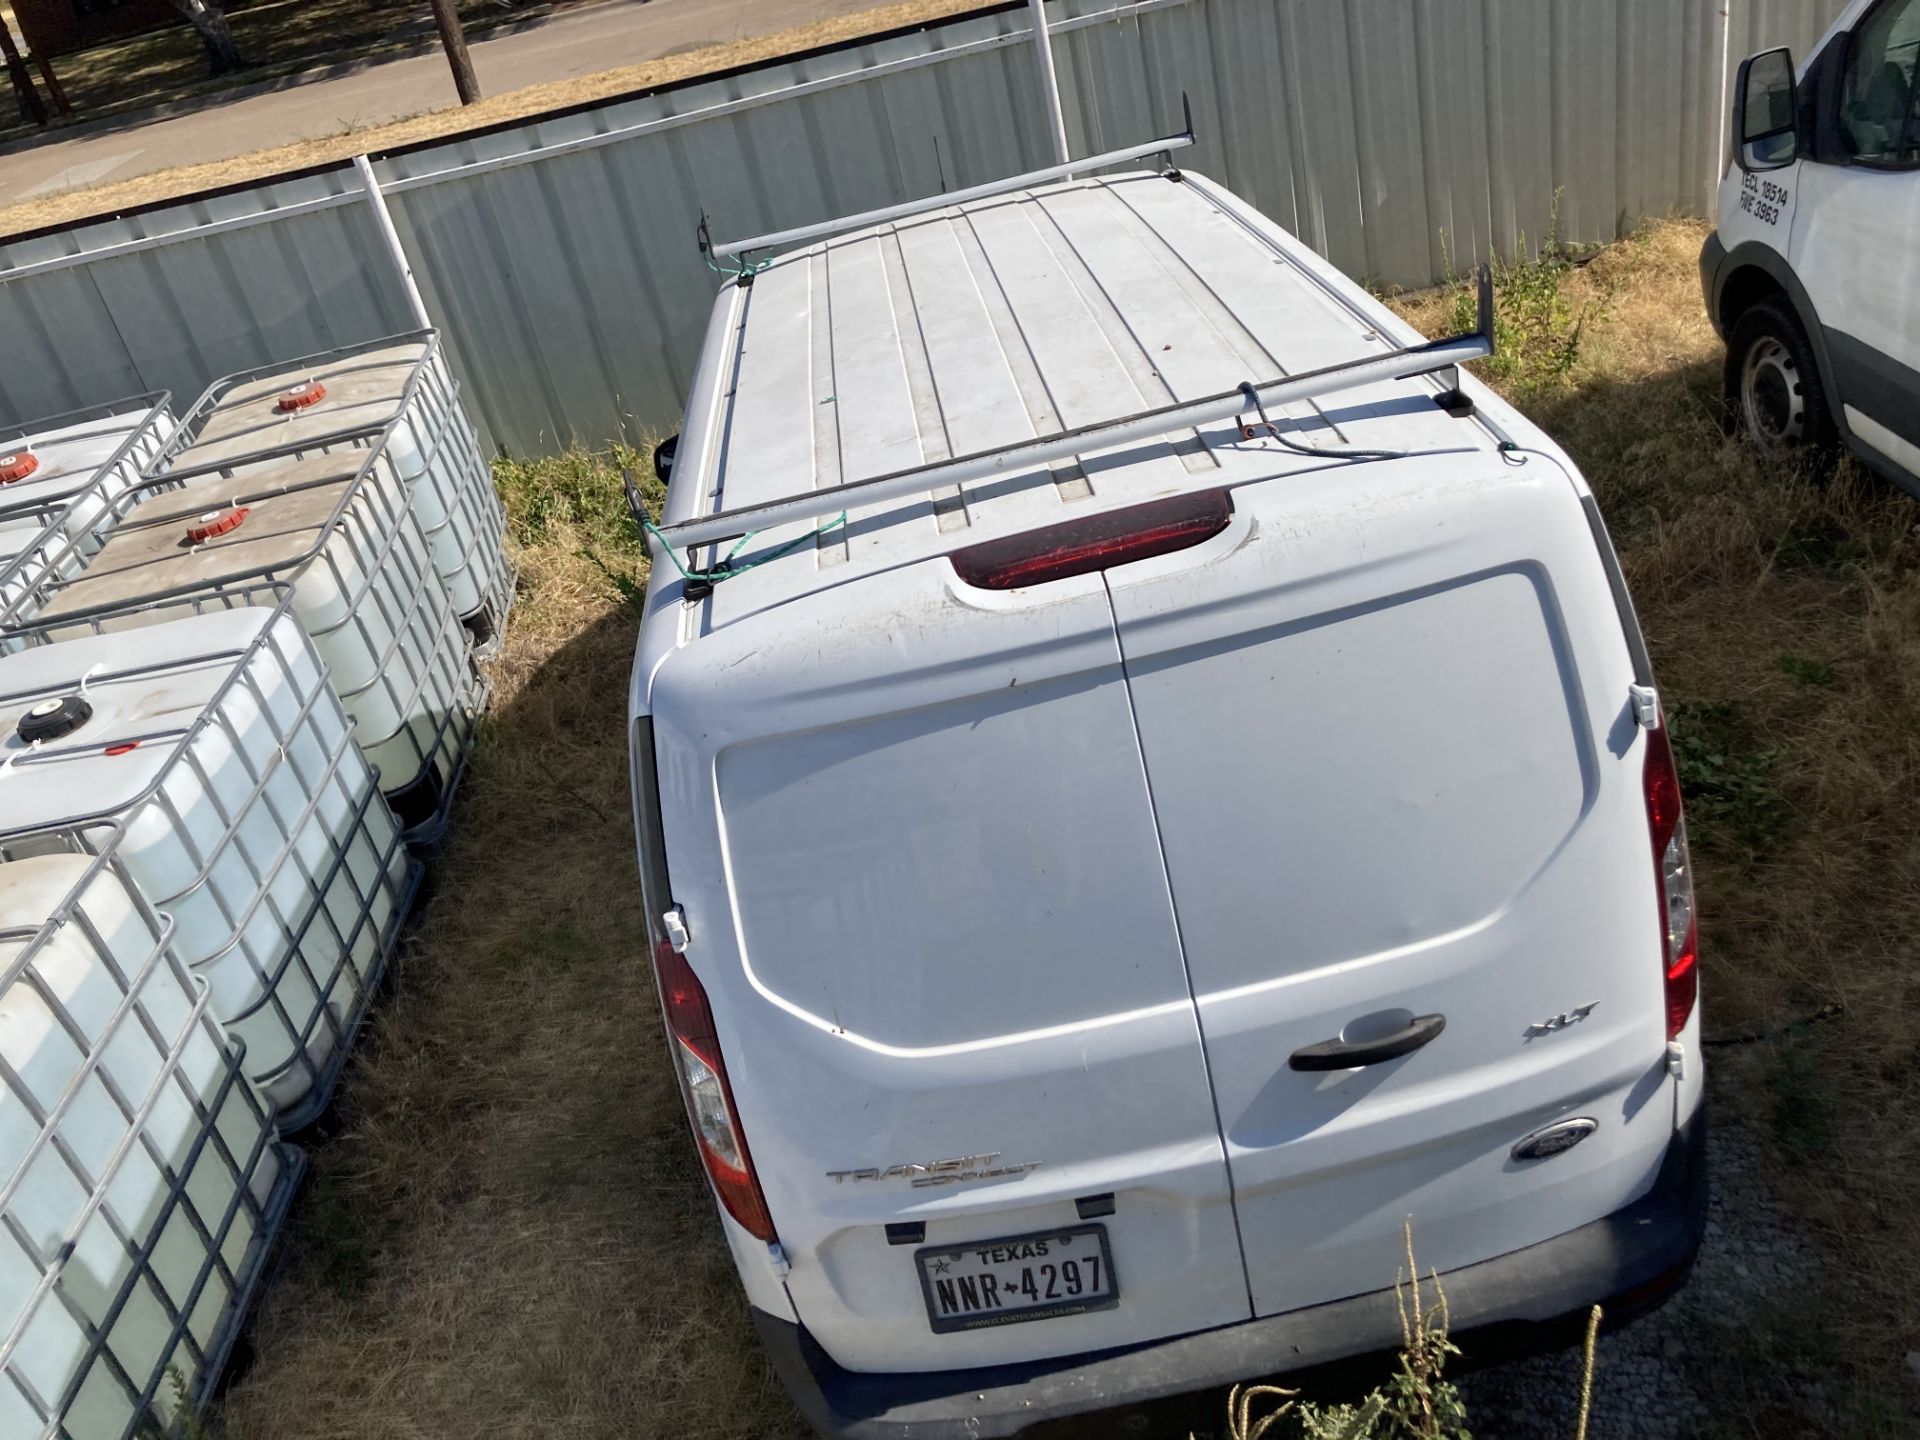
558,256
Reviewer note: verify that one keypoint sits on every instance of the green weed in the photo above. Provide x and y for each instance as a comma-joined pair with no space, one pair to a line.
1538,331
1733,801
1823,547
1800,1099
187,1425
577,489
1803,671
1417,1403
578,499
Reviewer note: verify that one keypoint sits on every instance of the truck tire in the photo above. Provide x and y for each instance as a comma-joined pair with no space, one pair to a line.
1773,390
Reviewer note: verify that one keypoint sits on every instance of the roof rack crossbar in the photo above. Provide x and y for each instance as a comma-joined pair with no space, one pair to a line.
1030,456
1163,146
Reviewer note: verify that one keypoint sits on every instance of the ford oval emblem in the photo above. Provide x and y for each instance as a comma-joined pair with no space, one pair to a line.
1555,1139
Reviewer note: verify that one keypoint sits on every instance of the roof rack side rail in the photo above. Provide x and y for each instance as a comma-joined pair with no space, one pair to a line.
1166,145
1145,427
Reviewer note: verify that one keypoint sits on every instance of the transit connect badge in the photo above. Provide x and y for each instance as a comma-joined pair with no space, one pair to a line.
955,1171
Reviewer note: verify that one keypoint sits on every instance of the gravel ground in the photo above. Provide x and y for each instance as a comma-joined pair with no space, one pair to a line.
1643,1387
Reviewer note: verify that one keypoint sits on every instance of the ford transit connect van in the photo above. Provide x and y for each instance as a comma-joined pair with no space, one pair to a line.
1147,781
1813,274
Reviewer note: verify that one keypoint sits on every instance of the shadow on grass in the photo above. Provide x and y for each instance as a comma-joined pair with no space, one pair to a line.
509,1232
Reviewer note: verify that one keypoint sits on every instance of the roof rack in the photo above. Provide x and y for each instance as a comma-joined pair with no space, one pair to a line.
1165,145
1031,456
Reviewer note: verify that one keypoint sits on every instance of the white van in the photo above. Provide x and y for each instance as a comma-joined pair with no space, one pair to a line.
1146,781
1813,275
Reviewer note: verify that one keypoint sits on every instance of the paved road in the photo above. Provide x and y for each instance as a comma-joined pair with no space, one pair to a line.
626,32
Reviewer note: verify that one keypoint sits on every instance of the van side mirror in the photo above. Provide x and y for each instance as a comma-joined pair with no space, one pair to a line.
663,454
1765,132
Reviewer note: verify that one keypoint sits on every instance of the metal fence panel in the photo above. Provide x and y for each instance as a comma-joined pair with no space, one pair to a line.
221,293
1755,25
1398,137
570,288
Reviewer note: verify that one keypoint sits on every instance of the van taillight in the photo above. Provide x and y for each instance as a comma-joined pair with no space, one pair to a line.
690,1030
703,1081
1095,543
1673,874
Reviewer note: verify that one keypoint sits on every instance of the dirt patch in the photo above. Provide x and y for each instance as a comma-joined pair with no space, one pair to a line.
510,1233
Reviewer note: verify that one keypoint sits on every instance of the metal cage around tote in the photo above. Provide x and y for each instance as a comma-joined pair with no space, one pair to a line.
400,386
72,501
263,833
142,1182
365,589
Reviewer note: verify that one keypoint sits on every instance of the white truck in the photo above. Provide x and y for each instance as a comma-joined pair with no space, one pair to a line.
1813,274
1147,781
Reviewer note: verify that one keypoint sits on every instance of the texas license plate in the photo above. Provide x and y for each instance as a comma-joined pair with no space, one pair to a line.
1023,1277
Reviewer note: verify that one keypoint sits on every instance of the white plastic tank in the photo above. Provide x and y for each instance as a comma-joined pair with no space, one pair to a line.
213,756
337,529
141,1180
395,394
67,469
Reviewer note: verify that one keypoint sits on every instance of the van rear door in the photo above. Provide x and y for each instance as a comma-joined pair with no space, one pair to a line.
914,847
1397,773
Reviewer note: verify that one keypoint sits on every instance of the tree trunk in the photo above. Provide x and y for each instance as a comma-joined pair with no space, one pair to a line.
30,107
446,14
210,20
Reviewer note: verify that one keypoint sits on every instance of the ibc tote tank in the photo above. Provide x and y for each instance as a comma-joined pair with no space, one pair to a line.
141,1182
212,757
84,456
335,528
395,394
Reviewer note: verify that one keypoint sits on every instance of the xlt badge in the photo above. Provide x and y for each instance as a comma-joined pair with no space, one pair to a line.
1562,1021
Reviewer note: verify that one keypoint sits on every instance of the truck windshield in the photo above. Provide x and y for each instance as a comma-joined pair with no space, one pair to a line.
1880,107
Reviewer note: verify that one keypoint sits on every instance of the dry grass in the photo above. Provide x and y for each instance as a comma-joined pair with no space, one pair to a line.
161,185
1784,619
510,1235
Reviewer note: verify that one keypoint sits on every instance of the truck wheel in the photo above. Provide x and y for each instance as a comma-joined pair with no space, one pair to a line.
1774,395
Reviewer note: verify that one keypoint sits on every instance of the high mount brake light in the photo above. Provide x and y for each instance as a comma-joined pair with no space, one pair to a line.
1673,879
1096,542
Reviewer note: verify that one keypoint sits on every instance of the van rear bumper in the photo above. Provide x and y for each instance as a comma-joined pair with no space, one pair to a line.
1533,1299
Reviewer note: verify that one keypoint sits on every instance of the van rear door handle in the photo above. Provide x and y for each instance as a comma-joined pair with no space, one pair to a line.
1339,1055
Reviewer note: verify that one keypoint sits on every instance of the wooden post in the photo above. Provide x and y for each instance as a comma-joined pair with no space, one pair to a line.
447,17
30,101
54,87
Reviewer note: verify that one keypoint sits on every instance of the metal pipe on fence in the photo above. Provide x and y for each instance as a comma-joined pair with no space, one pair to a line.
1720,139
467,169
1049,80
383,222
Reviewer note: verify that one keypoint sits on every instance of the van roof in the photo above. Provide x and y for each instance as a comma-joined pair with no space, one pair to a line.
974,327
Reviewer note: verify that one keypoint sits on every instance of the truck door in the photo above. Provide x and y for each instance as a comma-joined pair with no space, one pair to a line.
1854,235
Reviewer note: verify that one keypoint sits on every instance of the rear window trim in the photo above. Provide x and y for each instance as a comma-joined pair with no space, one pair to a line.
1622,597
